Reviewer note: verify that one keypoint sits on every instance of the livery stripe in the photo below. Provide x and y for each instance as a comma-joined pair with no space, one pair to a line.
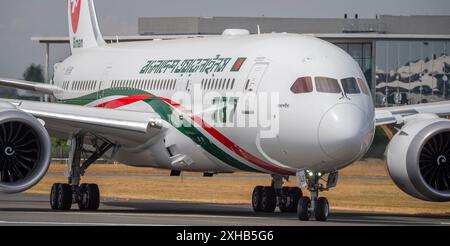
164,107
167,113
228,143
117,103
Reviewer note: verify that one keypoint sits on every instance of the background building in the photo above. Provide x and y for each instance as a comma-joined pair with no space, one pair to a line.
404,58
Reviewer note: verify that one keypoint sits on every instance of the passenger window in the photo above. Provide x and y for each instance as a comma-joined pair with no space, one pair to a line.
350,86
223,83
302,85
328,85
363,86
209,84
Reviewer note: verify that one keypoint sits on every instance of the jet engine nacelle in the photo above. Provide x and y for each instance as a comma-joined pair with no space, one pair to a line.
25,150
418,158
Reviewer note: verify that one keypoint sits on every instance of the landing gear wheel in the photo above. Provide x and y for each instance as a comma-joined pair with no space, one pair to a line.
54,196
256,198
303,213
89,197
289,200
86,195
83,197
64,197
268,199
295,194
286,200
322,209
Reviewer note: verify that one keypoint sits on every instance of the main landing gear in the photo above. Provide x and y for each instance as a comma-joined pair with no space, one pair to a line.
291,199
267,198
87,196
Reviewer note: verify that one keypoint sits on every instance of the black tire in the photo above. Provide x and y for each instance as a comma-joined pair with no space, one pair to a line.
64,197
54,196
256,198
286,201
90,197
303,212
322,209
268,199
82,202
295,193
290,199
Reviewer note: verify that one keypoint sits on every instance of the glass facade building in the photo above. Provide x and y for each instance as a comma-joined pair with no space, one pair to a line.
409,72
403,71
362,53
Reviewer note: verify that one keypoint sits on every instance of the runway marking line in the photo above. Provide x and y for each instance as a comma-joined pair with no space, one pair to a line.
78,223
384,221
141,214
183,216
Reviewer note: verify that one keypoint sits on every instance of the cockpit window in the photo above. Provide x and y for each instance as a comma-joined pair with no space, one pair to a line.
328,85
363,86
302,85
350,86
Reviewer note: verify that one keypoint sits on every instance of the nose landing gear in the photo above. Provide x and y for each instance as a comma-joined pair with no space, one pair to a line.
316,206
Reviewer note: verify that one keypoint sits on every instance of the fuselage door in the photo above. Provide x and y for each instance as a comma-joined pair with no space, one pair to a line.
249,98
255,76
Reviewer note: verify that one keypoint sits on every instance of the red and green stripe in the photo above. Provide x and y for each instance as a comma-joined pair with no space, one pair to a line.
166,109
238,64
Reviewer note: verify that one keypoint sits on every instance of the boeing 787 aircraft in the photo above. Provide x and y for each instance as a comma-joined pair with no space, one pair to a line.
286,105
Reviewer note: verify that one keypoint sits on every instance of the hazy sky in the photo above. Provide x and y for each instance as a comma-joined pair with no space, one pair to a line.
22,19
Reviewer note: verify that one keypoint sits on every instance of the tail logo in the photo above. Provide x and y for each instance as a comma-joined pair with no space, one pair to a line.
75,7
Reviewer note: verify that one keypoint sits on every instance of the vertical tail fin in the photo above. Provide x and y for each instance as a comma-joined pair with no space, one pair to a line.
84,31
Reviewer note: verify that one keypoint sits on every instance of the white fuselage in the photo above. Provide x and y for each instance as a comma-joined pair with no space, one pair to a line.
317,131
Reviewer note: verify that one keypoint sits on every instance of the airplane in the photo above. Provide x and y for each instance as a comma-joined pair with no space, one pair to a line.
138,103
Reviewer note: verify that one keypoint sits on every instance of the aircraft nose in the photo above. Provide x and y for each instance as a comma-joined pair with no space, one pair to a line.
343,132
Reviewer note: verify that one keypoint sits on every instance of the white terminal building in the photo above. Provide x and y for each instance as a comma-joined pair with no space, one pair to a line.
406,59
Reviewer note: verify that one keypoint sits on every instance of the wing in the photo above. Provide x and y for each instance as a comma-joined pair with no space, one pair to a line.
116,125
397,115
30,86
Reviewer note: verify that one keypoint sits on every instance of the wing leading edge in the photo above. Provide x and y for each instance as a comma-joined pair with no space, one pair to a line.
65,120
29,86
397,115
